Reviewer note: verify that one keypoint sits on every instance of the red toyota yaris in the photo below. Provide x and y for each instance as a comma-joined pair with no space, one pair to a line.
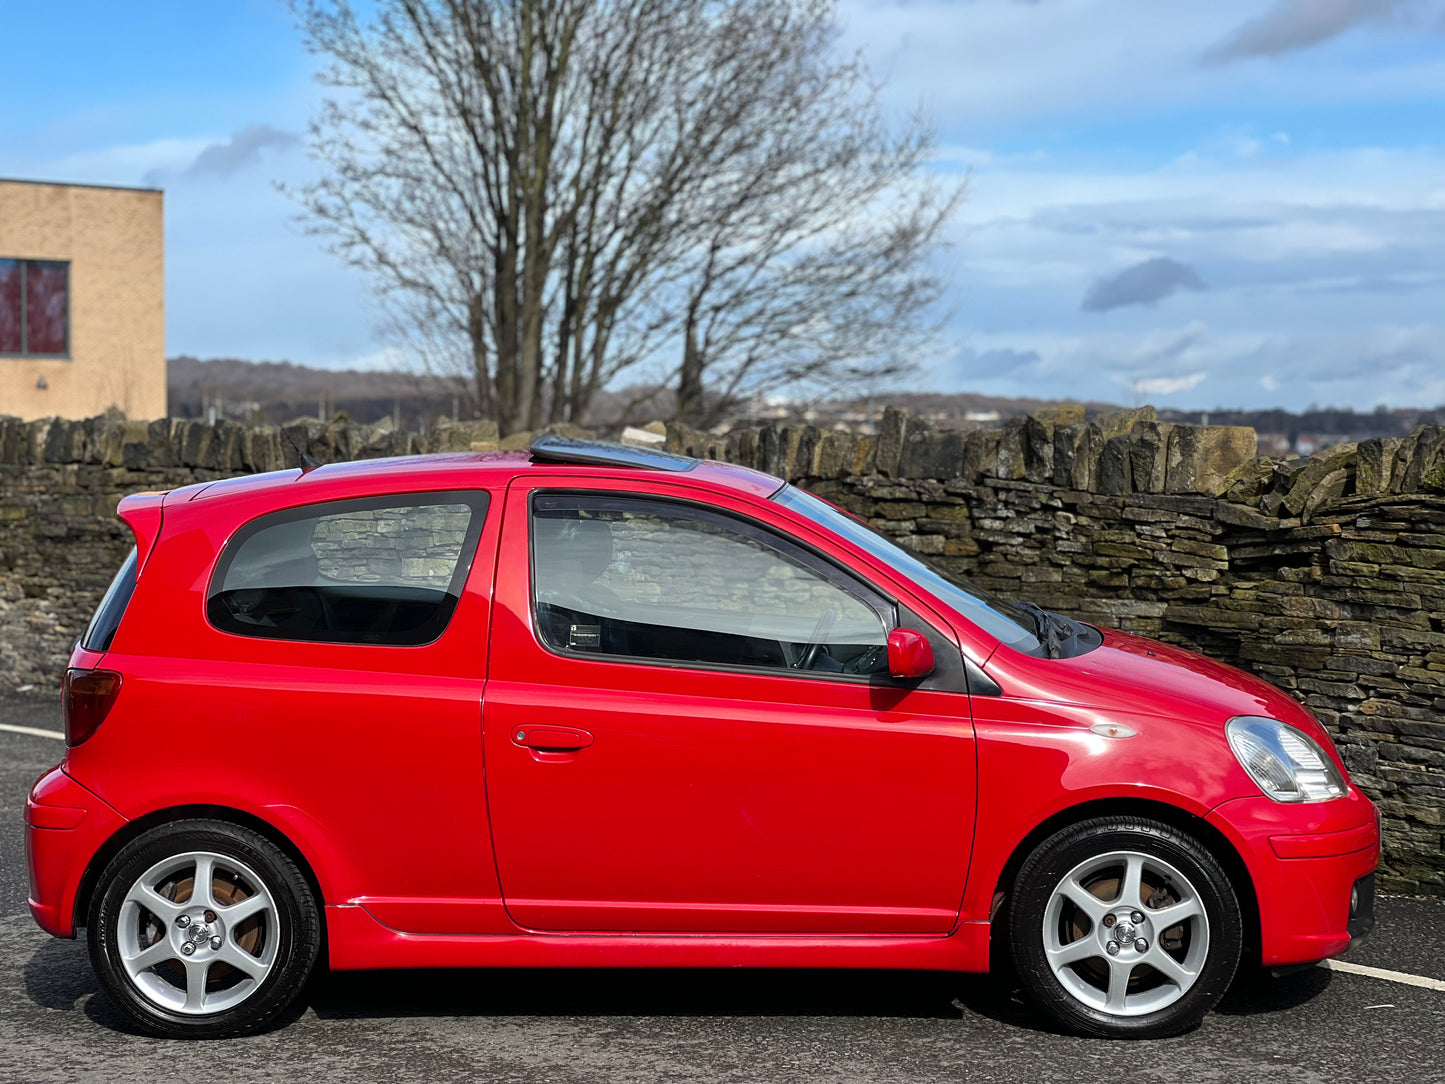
604,706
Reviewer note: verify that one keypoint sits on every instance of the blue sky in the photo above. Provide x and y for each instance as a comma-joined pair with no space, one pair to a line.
1199,204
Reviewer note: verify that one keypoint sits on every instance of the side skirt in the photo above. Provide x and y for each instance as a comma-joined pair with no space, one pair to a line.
357,941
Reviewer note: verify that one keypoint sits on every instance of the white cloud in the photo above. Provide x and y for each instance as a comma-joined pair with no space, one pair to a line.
388,359
123,163
1270,243
1323,264
1204,369
994,64
1164,385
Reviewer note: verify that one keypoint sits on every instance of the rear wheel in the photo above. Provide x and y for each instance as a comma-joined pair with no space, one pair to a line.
203,929
1125,927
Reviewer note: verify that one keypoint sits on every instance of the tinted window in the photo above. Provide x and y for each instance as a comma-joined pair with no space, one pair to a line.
101,630
384,570
670,581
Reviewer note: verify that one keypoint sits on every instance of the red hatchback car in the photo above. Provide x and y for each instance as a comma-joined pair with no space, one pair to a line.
606,706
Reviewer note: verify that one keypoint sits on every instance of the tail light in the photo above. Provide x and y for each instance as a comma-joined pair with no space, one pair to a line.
88,696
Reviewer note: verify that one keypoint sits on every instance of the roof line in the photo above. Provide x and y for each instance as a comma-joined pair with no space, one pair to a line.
82,184
600,453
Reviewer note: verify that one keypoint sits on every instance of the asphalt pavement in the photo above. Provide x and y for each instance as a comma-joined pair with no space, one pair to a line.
1314,1026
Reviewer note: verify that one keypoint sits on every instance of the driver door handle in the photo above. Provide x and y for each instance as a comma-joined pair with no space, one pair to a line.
551,739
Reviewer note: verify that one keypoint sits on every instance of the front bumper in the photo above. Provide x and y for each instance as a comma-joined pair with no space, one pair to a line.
1362,908
1307,862
65,825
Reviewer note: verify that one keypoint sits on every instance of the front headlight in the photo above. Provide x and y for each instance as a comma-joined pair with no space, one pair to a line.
1288,765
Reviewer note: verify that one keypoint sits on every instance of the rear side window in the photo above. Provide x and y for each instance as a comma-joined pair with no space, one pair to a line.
101,630
381,570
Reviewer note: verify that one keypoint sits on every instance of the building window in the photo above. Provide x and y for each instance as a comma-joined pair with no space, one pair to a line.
35,308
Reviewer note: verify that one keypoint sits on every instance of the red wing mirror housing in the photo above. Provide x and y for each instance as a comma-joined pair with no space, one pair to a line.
909,654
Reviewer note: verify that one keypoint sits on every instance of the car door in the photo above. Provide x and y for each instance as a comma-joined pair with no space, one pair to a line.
674,741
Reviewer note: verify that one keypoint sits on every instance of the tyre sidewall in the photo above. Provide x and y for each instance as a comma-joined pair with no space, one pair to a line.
1060,854
298,928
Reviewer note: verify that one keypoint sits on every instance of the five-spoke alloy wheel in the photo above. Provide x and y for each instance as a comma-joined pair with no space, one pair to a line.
203,929
1125,927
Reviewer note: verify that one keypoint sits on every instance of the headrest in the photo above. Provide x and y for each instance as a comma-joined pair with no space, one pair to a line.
581,547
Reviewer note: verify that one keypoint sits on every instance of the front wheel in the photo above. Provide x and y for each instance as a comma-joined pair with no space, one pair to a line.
1125,927
203,929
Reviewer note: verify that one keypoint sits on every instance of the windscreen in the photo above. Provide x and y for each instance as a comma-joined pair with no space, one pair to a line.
995,616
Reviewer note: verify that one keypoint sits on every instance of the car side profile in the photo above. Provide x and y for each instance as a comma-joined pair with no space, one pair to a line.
608,706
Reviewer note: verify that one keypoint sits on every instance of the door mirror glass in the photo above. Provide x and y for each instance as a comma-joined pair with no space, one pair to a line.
909,654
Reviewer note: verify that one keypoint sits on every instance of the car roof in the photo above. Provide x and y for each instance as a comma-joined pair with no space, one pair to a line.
461,470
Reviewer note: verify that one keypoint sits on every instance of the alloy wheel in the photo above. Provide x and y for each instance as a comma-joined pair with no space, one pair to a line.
1126,933
198,933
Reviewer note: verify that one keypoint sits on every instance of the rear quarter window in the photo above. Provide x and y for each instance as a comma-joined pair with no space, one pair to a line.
101,630
380,570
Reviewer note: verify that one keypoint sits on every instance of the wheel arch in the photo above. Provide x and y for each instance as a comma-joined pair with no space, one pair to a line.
1208,836
135,829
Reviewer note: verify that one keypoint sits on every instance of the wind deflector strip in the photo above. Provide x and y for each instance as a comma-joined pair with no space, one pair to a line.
601,453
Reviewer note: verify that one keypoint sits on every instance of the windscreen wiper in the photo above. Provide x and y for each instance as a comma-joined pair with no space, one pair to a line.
1051,629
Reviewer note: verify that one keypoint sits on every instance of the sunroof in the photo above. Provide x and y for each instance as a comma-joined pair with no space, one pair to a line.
601,453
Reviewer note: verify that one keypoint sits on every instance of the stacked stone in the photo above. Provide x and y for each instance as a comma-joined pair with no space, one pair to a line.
60,482
1325,575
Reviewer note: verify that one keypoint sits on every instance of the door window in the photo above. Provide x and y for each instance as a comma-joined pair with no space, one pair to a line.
664,580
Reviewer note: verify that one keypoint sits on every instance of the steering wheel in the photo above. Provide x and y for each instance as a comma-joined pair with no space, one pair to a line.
815,639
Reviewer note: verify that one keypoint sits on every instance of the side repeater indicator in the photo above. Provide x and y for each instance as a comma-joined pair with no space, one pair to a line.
1112,730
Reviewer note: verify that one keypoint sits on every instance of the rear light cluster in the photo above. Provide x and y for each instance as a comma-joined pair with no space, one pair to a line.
88,696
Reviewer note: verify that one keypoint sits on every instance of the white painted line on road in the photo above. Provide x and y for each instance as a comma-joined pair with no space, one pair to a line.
33,730
1389,976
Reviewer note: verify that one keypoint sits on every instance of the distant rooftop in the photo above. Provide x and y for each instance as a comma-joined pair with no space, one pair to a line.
78,184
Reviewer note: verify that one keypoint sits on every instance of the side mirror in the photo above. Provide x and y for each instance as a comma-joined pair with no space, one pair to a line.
909,654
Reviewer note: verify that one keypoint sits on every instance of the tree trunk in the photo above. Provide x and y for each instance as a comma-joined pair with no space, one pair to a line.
485,402
587,182
506,308
689,382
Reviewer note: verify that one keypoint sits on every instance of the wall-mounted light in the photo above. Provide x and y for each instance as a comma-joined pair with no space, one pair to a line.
41,382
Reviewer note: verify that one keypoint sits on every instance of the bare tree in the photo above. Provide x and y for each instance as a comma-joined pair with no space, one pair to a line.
549,192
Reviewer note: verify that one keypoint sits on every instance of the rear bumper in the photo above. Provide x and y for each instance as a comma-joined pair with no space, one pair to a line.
1308,862
65,825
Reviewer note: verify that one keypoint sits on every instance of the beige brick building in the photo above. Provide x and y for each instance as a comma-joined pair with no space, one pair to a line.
82,301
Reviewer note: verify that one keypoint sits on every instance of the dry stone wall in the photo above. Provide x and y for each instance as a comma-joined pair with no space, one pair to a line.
60,482
1324,575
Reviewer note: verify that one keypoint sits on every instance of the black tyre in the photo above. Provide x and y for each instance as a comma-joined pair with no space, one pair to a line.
1124,927
203,929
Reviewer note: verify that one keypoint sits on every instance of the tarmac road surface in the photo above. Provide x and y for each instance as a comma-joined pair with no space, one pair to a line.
1316,1026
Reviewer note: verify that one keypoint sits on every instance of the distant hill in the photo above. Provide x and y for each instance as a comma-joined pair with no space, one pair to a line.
278,391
